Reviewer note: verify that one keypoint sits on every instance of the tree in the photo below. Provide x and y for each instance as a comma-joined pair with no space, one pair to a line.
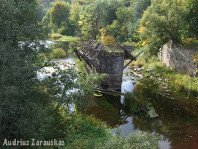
192,18
59,13
97,15
137,9
90,21
21,96
119,27
139,6
161,22
109,8
75,14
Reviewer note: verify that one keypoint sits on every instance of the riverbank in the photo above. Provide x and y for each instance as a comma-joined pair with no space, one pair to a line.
63,38
154,69
88,132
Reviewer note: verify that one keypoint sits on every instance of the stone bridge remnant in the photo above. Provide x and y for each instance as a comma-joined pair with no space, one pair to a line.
179,58
108,59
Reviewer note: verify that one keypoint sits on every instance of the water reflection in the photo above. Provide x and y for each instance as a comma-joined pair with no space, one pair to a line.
125,129
108,109
177,121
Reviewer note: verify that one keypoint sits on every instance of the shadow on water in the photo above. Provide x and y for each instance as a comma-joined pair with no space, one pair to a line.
177,119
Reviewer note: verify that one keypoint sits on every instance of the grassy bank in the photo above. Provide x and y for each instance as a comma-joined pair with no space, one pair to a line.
177,80
59,37
79,131
89,133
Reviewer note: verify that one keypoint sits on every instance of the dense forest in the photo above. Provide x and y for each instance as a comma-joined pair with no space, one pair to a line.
143,22
36,113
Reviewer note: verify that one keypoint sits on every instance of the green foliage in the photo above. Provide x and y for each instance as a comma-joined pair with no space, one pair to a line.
57,18
89,80
190,42
68,38
109,8
66,29
21,94
97,15
58,53
162,21
143,140
86,132
55,36
123,11
29,107
137,104
178,81
46,21
126,20
137,8
89,21
59,13
114,29
191,18
74,13
119,27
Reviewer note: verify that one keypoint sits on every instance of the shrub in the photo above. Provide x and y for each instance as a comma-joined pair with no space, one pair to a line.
63,30
58,53
143,140
137,63
108,40
190,42
56,36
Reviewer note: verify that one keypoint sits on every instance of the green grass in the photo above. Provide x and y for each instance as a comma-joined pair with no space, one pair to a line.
68,38
85,132
89,133
59,37
55,36
113,50
178,80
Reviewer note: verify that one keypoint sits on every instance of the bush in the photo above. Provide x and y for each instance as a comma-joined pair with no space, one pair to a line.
66,29
58,53
108,40
177,80
190,42
143,140
56,36
85,132
63,30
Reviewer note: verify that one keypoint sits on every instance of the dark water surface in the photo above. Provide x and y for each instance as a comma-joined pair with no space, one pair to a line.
177,120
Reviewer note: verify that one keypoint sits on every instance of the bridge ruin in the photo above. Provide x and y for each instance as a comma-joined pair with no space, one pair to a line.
108,59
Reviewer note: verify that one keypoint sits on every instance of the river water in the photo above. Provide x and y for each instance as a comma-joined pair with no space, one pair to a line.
177,120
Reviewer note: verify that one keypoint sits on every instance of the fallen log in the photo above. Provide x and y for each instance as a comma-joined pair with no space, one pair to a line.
110,92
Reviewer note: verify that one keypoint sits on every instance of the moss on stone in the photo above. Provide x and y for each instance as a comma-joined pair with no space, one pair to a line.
113,50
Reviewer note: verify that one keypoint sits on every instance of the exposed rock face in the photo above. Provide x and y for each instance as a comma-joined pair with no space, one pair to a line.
182,59
111,64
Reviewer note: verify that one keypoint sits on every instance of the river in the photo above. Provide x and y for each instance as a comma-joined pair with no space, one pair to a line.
177,120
